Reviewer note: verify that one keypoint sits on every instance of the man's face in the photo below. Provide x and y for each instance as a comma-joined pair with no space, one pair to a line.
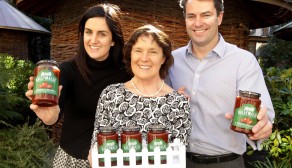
202,22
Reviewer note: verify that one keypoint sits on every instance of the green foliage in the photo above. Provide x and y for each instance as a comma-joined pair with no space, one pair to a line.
276,53
14,76
274,164
279,83
26,146
279,145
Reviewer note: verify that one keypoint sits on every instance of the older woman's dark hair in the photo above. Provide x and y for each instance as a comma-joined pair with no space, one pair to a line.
218,4
111,13
160,38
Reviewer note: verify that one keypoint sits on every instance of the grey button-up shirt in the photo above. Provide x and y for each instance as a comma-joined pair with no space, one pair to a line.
213,84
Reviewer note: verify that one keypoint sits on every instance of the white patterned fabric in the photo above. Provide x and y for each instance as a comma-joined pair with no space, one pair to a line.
63,160
118,107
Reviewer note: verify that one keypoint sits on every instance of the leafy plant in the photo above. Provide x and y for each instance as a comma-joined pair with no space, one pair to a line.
274,164
276,53
279,83
14,76
279,145
26,146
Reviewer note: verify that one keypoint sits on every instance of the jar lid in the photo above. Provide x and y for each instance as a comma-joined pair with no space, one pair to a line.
131,128
157,128
47,61
249,94
107,129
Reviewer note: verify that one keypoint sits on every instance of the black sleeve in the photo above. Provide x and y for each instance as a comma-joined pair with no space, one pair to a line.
67,74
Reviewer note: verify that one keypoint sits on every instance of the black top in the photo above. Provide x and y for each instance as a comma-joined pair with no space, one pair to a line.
78,102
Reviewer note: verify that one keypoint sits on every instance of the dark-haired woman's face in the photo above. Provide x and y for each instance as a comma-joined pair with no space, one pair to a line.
97,38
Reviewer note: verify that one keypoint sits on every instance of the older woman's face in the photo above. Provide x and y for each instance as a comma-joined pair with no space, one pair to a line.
146,58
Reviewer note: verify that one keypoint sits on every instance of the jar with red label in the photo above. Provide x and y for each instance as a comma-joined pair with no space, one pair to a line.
46,83
131,138
107,138
157,136
246,109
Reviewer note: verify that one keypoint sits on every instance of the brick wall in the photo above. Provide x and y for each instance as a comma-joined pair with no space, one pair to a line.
14,43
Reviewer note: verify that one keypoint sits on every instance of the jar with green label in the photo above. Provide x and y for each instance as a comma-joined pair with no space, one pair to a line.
107,138
46,83
246,109
131,138
157,136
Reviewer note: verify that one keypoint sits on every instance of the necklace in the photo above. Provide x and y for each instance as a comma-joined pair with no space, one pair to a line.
155,94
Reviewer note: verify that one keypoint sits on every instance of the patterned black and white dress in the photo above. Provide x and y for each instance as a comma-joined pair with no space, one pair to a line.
118,107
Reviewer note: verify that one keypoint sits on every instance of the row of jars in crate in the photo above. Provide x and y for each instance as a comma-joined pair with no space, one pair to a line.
131,137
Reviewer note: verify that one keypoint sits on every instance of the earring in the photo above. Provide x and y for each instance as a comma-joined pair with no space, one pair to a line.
113,43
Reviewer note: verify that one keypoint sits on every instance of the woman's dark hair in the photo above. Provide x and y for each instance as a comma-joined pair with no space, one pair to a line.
160,38
111,13
218,4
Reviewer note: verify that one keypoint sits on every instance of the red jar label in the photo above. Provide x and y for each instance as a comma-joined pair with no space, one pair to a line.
245,116
46,83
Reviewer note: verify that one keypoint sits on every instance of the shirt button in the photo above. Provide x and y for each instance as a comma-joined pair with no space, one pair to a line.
194,92
197,76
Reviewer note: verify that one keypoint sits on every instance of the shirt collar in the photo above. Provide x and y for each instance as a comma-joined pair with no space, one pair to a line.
219,48
189,47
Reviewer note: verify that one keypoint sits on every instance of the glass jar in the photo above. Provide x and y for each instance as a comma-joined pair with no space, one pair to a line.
46,83
246,109
107,138
131,138
157,136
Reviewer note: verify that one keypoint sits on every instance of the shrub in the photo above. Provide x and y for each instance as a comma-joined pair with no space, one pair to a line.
279,144
279,83
26,146
276,53
14,74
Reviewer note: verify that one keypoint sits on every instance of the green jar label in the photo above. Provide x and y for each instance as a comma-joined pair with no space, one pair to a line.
132,143
46,83
157,143
245,116
111,145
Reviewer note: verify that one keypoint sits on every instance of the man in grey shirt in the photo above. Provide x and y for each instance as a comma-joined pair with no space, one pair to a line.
212,72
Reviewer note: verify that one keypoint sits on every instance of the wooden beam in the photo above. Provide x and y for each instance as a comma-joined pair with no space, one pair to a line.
258,38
